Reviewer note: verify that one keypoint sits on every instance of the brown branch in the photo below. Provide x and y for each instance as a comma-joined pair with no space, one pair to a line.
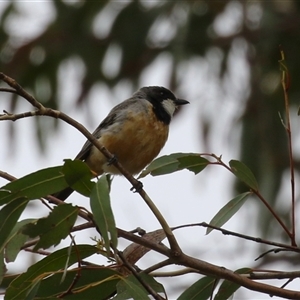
176,256
20,91
257,193
174,273
40,251
8,91
285,82
262,275
275,250
7,176
42,111
239,235
221,272
157,266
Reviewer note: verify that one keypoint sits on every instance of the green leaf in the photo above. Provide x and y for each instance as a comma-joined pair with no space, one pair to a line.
175,162
16,240
91,281
227,211
3,269
7,279
78,175
129,287
228,288
54,228
243,173
194,163
24,283
167,163
9,216
200,290
103,215
35,185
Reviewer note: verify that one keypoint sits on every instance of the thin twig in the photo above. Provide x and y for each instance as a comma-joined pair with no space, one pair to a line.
221,272
285,82
180,259
270,208
239,235
262,275
258,194
275,250
43,111
175,273
157,266
40,251
7,176
6,90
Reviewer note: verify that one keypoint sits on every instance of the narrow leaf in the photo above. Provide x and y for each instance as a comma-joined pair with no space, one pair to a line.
129,287
24,283
3,269
9,216
193,163
227,211
54,228
35,185
78,175
201,289
164,165
169,164
92,281
243,173
228,288
16,240
103,215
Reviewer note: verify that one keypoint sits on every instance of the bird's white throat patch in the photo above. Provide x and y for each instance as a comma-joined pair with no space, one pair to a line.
169,106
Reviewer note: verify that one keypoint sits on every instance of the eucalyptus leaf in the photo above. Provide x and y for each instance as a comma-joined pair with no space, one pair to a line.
35,185
200,290
228,288
9,216
103,215
243,173
175,162
228,210
19,287
78,175
53,228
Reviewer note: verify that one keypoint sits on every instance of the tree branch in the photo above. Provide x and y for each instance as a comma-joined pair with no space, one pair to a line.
43,111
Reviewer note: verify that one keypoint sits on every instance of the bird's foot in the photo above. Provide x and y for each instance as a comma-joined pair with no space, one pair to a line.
112,160
137,187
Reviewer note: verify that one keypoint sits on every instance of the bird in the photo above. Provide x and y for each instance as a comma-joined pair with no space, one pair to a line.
134,131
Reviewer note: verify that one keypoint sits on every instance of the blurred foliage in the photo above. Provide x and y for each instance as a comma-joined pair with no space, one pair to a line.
139,31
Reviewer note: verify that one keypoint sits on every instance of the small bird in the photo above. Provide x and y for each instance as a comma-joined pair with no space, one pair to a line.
134,131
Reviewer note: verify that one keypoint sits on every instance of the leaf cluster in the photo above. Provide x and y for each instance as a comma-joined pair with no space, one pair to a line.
57,275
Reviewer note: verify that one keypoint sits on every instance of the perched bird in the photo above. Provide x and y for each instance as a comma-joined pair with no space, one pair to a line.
134,131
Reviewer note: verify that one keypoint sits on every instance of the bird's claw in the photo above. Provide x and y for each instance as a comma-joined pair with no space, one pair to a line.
112,160
137,187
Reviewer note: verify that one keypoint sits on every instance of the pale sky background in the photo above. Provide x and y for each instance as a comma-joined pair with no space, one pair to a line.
182,197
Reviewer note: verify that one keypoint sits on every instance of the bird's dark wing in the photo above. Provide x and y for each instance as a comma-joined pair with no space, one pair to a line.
117,113
85,151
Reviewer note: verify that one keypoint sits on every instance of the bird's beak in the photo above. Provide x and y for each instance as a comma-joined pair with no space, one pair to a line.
181,102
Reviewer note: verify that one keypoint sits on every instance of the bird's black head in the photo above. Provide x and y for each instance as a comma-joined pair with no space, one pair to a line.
163,100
